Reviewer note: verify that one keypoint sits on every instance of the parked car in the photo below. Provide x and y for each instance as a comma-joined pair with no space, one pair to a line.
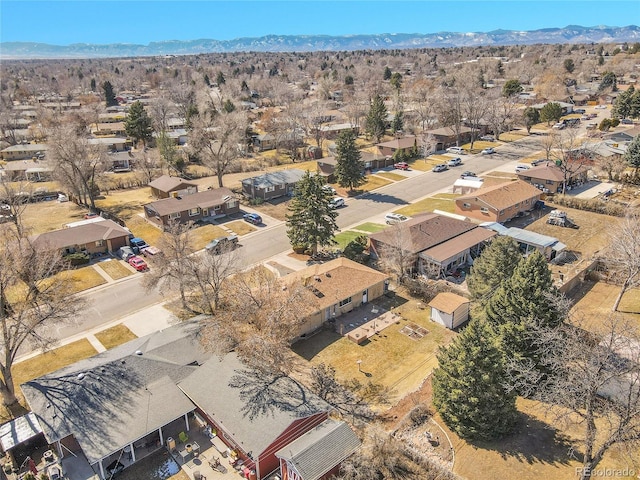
488,151
600,107
90,215
151,251
468,173
393,218
222,244
126,253
522,168
559,126
539,161
337,202
441,167
62,198
252,218
579,110
456,150
138,263
487,138
138,244
454,162
401,166
329,189
626,121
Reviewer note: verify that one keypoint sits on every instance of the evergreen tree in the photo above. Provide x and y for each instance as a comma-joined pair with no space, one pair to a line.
138,124
552,111
387,73
207,81
531,117
523,303
396,81
609,80
376,121
569,65
397,125
169,153
311,221
220,80
632,155
635,104
622,106
511,88
109,96
492,268
228,106
468,385
349,166
92,85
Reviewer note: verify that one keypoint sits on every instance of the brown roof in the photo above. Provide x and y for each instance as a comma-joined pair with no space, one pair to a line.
167,183
23,165
551,171
448,249
448,302
405,142
206,199
81,235
422,232
504,195
336,280
447,131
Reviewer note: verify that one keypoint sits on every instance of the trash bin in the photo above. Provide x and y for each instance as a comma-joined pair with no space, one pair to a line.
171,443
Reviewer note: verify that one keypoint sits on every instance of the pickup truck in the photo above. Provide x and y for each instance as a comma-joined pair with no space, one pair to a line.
138,244
222,244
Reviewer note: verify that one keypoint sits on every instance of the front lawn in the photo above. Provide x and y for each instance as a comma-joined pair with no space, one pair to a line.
370,227
395,177
114,268
373,182
442,202
240,227
344,238
202,235
80,279
114,336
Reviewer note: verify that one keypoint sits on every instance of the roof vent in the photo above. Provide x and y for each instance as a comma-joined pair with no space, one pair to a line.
80,376
328,275
138,352
317,278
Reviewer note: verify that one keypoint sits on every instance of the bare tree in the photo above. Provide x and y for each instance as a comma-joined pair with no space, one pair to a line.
623,254
571,154
593,382
31,301
395,254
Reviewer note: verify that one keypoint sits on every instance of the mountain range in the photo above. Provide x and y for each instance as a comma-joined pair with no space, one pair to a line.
307,43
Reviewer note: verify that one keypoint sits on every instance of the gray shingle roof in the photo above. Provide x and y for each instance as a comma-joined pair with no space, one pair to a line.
166,183
117,397
319,450
252,407
81,235
202,200
272,179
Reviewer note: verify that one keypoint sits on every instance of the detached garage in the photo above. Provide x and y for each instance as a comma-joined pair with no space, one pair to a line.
449,309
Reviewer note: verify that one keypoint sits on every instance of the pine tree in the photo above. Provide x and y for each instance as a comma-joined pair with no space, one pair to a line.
632,155
376,121
468,385
531,117
493,267
387,73
138,124
397,124
349,166
551,111
312,221
523,303
109,96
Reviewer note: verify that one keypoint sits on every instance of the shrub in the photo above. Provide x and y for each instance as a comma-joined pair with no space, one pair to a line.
591,205
76,259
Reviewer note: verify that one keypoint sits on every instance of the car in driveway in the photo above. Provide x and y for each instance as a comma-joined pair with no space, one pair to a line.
138,263
393,218
487,138
401,166
441,167
454,162
252,218
337,202
559,126
522,168
138,245
456,150
539,161
222,244
600,107
488,151
125,253
329,188
579,110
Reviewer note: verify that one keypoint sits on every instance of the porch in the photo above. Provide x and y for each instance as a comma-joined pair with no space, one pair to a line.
364,322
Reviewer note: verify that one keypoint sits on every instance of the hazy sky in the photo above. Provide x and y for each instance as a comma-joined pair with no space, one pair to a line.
89,21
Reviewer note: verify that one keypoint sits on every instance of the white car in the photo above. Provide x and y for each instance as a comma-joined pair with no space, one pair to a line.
337,202
601,107
393,218
329,188
456,150
559,126
488,151
522,168
454,162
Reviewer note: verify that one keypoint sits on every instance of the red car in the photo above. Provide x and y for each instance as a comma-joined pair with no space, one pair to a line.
137,263
401,166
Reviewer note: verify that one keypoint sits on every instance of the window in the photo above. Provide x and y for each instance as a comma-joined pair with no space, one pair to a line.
194,211
466,205
99,243
269,189
344,302
501,212
174,215
232,203
517,205
484,209
549,182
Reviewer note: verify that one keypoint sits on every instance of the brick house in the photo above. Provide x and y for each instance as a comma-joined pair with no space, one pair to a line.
550,178
96,237
273,184
206,205
498,203
167,186
406,145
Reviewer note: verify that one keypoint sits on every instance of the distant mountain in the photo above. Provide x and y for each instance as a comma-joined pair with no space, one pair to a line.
307,43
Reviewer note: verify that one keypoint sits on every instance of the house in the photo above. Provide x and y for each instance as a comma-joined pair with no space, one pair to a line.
467,185
110,128
435,244
445,137
407,145
29,170
449,309
372,161
111,144
624,136
120,161
97,237
264,141
332,131
567,108
498,203
23,151
273,184
550,177
206,205
337,287
167,186
137,397
529,241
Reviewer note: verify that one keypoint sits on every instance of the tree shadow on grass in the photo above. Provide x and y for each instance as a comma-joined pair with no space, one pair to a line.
581,291
533,441
310,347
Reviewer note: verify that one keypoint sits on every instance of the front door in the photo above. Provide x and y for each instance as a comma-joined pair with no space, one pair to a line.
365,296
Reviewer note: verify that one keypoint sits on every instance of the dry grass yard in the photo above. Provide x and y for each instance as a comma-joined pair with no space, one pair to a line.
114,336
443,201
114,268
44,217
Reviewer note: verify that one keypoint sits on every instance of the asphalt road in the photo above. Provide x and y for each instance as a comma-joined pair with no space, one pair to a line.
118,300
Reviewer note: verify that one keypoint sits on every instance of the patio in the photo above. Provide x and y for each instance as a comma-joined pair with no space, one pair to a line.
364,322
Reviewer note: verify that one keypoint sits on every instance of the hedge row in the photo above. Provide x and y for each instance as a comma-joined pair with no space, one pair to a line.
591,205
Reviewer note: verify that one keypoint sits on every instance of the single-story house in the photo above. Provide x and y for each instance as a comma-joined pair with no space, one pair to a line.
436,244
110,128
111,144
498,203
332,131
138,396
449,309
273,184
338,286
205,205
566,107
445,137
405,145
120,161
96,237
623,136
29,170
167,186
264,141
550,177
372,161
112,117
23,151
529,241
